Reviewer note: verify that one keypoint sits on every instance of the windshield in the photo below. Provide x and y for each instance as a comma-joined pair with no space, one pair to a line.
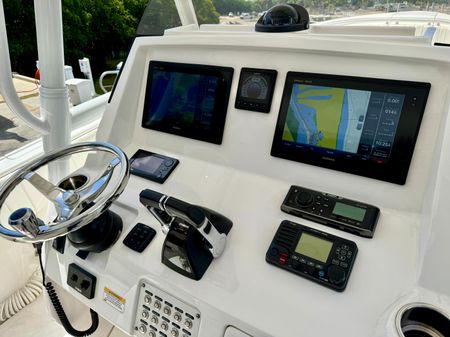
428,17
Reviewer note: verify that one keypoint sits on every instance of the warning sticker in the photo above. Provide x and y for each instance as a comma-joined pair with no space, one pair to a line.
113,299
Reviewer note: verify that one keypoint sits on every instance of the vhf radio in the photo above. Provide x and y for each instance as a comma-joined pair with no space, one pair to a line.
348,215
321,257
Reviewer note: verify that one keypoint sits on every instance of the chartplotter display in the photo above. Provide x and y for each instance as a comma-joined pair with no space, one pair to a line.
187,100
357,125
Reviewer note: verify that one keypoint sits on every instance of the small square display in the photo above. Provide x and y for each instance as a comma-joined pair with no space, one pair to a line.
152,166
314,247
255,89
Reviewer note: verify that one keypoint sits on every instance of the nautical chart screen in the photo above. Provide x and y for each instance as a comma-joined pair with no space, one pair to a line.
358,125
187,100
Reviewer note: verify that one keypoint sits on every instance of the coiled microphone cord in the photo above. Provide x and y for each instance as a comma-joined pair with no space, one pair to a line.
21,298
59,308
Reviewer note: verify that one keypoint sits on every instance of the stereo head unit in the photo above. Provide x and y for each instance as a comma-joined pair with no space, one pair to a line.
187,100
358,125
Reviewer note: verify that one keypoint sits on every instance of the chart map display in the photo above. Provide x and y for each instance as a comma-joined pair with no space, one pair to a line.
359,125
342,119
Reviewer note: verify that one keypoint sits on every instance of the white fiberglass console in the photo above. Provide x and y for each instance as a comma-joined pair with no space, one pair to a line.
234,160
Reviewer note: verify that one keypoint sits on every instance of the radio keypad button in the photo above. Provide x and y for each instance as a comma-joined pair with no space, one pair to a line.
283,258
344,264
335,262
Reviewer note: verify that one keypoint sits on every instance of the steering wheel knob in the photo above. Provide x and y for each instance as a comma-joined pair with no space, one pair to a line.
25,221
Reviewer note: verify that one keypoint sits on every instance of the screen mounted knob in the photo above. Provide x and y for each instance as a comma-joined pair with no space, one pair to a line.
304,199
336,274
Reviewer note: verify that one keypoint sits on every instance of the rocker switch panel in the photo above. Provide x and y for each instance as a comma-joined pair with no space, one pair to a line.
81,280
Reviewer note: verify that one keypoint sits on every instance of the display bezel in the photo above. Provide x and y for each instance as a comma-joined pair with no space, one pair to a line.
213,134
253,104
395,170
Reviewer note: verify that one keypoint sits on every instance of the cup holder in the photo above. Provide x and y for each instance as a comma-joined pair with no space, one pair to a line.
422,320
73,183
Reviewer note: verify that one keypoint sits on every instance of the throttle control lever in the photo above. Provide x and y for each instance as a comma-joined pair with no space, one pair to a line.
211,225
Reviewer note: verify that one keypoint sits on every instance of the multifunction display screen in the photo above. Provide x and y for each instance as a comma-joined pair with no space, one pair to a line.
314,247
359,122
187,100
358,125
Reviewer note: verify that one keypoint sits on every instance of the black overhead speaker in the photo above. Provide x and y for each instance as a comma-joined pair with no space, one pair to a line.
283,18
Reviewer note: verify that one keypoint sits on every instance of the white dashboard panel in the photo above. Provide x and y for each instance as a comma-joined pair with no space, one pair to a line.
242,181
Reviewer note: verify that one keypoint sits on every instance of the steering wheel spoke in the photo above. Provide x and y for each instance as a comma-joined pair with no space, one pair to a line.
92,191
47,189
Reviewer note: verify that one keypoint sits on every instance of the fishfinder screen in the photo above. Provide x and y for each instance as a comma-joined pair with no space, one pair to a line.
187,100
358,125
314,247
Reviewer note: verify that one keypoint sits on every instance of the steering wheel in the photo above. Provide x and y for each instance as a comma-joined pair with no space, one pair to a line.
75,208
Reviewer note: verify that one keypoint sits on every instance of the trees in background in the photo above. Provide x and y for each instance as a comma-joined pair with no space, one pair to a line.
102,29
21,35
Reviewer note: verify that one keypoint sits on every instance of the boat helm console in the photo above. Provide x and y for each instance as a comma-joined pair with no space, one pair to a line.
274,181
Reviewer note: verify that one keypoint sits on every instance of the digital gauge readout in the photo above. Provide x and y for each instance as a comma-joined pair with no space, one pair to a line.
255,89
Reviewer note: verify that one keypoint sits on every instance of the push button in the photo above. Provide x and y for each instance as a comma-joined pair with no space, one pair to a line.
283,258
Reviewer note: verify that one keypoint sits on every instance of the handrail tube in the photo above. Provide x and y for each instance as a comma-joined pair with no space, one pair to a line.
186,11
103,75
7,88
53,90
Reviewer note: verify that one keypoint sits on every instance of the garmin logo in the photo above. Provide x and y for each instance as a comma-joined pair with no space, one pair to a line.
329,159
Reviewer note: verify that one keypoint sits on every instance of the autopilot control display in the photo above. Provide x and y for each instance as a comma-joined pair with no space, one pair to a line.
187,100
358,125
255,90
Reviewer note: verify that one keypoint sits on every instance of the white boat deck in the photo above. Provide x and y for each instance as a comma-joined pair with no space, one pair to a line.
14,132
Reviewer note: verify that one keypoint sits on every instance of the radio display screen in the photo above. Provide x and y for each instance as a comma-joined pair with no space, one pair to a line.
349,211
187,100
358,125
314,247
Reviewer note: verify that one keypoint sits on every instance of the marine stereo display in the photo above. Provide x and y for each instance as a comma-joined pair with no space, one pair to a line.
358,125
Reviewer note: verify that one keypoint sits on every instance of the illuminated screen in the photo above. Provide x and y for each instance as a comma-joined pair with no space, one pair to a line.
349,211
314,247
147,164
364,126
187,100
355,121
182,98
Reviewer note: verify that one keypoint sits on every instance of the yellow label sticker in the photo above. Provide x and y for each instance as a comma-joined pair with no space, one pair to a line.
116,301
